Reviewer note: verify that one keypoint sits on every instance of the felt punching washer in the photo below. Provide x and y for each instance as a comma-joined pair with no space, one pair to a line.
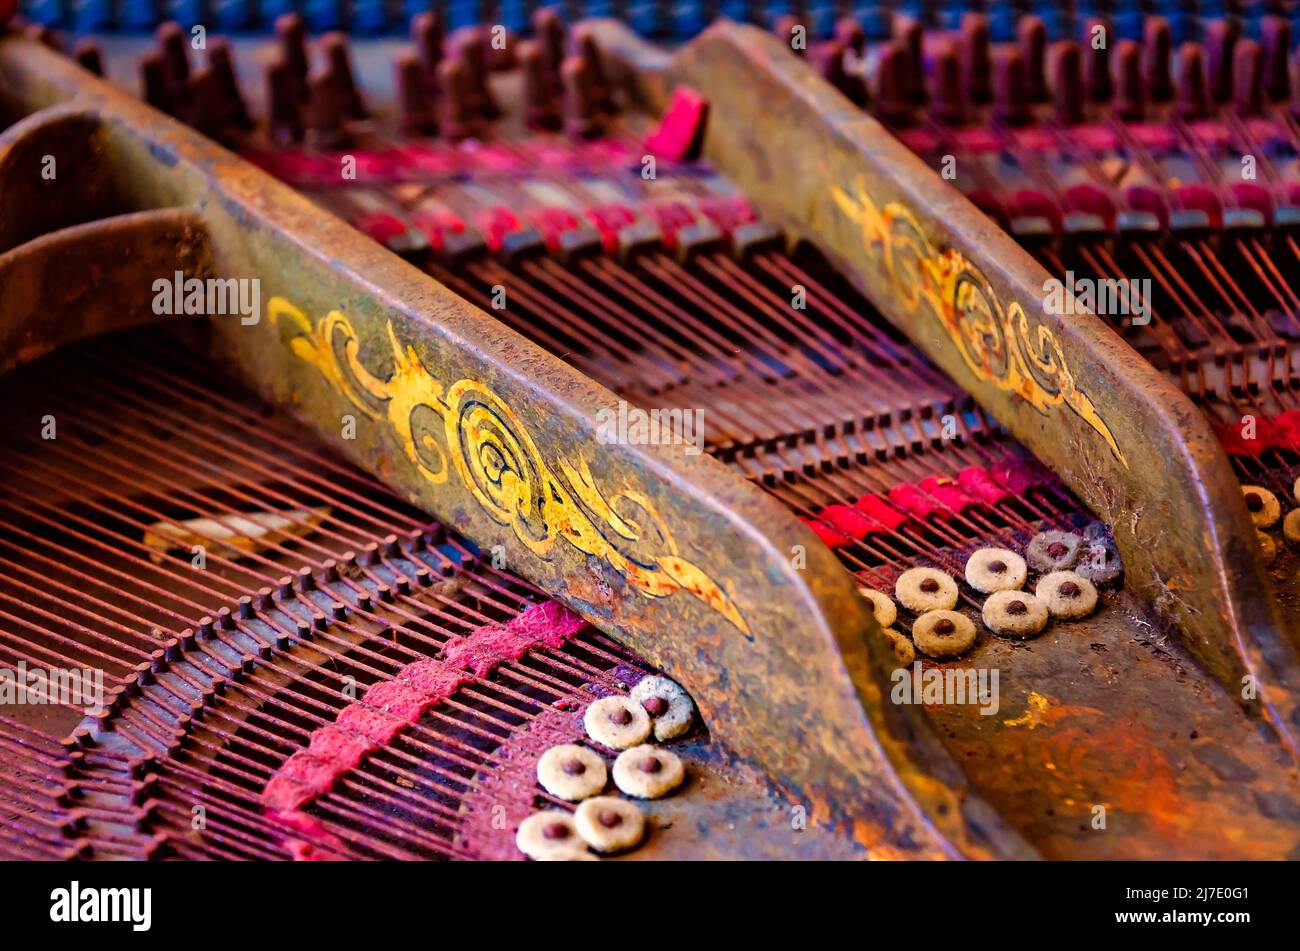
1262,504
926,589
617,722
1067,594
882,606
670,707
571,772
549,832
610,824
995,569
1291,527
1015,614
943,633
1054,551
648,772
904,652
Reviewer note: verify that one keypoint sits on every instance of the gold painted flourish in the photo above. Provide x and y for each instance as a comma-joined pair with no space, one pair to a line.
997,343
468,429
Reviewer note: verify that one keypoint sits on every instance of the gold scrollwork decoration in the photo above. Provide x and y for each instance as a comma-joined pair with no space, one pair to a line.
997,343
468,429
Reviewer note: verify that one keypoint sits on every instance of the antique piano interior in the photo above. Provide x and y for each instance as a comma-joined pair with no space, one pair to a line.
822,239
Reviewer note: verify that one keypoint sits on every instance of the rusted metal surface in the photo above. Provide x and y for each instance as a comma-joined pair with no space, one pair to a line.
108,262
783,677
1132,446
1065,739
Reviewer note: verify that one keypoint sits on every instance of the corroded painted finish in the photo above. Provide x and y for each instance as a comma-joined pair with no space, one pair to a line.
796,688
467,429
1139,453
111,261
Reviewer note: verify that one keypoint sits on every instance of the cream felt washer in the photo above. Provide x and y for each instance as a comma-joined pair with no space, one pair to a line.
904,652
943,633
995,569
1099,563
1291,527
1066,594
1015,614
617,722
648,772
1263,506
670,707
1053,551
926,589
882,606
610,824
571,772
545,833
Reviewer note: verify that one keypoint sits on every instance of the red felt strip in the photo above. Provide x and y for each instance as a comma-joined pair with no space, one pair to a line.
847,520
679,132
1278,432
829,536
389,706
914,502
877,508
1287,427
947,493
977,481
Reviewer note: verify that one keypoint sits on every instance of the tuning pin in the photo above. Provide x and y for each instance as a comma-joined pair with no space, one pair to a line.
849,33
153,82
585,44
948,97
1009,102
1220,39
909,34
457,114
1130,92
540,110
1096,61
412,96
427,34
579,99
175,58
1157,45
1193,100
207,110
282,94
88,54
1275,38
548,28
892,104
291,32
1248,75
976,63
327,108
1067,82
338,62
473,48
1031,36
833,67
221,63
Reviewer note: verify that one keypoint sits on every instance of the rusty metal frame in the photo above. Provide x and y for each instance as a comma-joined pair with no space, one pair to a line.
1122,436
797,688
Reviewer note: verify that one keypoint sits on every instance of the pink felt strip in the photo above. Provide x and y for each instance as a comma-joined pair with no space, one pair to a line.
390,705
